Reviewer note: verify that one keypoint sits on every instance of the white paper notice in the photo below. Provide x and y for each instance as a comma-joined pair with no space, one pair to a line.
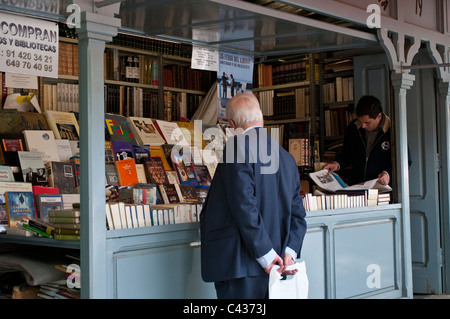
28,46
205,58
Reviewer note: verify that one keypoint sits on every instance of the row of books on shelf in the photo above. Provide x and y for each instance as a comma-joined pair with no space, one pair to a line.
283,73
336,119
341,89
123,216
285,105
28,210
144,102
361,198
300,148
136,42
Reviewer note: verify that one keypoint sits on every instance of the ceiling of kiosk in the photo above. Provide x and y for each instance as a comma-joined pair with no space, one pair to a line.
238,26
259,27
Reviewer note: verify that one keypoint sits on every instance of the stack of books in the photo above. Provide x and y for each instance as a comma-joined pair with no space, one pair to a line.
66,223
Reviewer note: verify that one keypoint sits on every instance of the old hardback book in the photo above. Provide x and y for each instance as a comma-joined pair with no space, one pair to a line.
170,194
61,175
145,132
154,170
63,124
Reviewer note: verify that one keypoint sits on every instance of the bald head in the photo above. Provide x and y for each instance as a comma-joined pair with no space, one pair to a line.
243,111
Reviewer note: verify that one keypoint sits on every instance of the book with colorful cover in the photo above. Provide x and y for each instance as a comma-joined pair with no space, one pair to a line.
185,169
19,205
157,151
170,194
118,128
203,176
126,170
188,193
154,170
122,150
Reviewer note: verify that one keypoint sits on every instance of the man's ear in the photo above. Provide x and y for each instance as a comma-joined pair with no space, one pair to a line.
233,125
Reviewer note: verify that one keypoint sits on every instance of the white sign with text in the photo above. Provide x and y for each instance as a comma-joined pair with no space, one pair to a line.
28,46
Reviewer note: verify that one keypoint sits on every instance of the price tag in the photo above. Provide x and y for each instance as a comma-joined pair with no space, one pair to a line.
28,46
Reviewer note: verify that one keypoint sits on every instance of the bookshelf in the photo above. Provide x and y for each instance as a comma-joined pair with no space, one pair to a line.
336,104
143,77
288,99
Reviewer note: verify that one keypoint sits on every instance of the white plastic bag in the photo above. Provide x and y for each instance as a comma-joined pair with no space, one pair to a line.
293,287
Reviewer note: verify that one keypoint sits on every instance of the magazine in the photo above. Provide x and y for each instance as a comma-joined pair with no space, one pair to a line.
333,182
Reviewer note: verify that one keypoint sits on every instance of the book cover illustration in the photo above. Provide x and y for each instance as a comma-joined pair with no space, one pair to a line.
145,131
61,175
122,150
172,193
109,152
154,170
63,124
19,205
46,202
185,169
141,151
203,176
33,169
188,193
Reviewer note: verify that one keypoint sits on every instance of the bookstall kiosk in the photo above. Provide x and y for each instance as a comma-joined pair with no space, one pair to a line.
349,253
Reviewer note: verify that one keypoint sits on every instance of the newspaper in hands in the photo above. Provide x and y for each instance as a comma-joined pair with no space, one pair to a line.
333,182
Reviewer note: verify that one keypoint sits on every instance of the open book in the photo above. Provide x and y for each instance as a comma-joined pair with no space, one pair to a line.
332,182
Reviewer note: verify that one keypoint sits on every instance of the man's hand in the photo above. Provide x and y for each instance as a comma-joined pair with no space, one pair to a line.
276,261
331,167
288,260
383,178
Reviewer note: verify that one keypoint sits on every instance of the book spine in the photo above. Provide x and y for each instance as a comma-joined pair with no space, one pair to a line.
35,230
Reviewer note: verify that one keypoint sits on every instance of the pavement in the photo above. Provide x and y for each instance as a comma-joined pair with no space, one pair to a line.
440,296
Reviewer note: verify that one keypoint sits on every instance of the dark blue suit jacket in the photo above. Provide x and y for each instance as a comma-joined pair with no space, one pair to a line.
248,212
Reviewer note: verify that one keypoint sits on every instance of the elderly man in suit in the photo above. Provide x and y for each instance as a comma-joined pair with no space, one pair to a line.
253,217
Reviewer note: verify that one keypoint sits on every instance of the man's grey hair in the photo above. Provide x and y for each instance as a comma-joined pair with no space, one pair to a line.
243,109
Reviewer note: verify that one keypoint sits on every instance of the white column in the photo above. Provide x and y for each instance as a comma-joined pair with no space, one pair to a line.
444,145
95,30
402,82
